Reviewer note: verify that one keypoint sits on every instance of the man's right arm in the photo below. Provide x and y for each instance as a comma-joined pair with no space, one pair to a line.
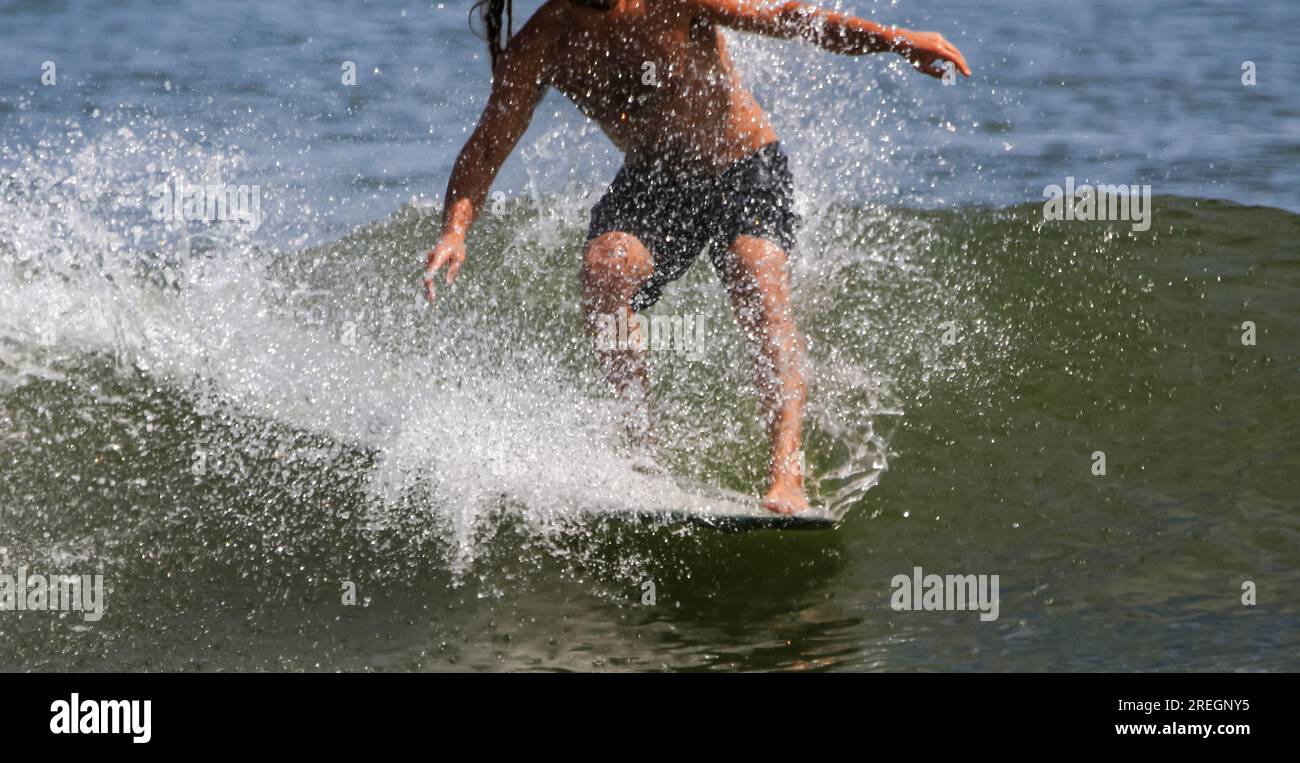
516,90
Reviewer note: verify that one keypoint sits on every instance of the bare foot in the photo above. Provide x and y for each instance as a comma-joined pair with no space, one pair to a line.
786,497
644,463
642,442
638,427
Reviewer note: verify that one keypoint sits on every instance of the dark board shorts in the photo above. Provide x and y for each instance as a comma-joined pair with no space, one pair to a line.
677,216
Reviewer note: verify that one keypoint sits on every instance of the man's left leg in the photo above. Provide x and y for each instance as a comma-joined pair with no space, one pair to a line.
757,279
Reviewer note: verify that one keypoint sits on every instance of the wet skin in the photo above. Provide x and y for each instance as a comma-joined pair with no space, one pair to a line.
657,78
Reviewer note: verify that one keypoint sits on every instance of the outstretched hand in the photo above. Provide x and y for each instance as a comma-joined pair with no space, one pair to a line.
450,251
929,51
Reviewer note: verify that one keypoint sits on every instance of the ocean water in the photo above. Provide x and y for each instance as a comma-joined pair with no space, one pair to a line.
239,425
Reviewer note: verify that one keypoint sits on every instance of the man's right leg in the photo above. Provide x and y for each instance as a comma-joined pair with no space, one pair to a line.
615,266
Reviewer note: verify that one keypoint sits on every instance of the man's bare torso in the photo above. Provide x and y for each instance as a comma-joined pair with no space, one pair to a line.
658,81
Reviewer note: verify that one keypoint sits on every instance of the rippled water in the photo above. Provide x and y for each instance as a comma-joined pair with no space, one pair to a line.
231,423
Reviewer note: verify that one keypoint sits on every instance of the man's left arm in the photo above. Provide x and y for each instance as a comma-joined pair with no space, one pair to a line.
834,31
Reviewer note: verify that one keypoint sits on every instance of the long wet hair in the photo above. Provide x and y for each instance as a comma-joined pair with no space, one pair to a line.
490,12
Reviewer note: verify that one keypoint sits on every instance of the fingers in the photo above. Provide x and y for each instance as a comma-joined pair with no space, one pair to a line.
930,53
433,264
935,65
435,261
952,54
429,292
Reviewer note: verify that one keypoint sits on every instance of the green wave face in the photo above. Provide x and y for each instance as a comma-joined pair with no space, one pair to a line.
230,433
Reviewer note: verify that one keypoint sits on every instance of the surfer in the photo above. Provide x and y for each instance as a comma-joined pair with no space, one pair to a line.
702,168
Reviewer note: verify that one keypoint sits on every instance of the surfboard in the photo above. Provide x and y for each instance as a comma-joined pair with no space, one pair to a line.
700,505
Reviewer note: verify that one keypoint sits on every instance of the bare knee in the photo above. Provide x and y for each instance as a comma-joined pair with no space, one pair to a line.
615,265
